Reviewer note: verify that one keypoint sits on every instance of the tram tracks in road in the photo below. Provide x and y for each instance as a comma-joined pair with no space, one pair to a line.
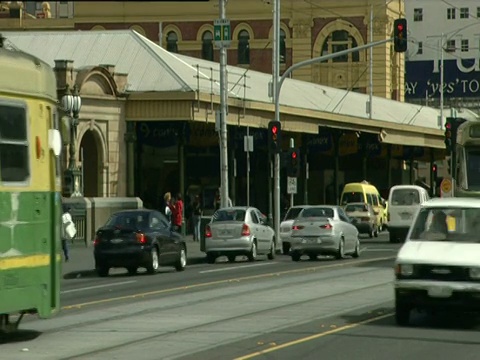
186,303
273,310
201,285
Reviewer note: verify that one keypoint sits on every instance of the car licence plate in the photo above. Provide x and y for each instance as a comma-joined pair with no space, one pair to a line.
116,241
440,292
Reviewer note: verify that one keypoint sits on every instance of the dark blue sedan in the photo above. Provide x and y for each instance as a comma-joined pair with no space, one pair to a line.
138,238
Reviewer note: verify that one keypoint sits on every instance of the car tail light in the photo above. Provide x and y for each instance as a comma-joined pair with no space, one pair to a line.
297,227
208,232
141,238
96,241
326,226
245,230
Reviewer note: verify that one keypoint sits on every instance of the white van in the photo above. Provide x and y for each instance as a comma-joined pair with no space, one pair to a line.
403,203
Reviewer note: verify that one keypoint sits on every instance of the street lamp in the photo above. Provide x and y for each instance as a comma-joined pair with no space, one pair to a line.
71,104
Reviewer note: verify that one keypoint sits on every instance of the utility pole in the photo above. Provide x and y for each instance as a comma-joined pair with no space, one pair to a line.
276,94
223,116
370,95
441,80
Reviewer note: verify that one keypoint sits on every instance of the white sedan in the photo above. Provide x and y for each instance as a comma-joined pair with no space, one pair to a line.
324,230
236,231
286,226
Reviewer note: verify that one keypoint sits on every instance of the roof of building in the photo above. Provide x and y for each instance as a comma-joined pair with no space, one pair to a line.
151,68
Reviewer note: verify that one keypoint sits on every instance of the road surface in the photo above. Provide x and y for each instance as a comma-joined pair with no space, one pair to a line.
276,309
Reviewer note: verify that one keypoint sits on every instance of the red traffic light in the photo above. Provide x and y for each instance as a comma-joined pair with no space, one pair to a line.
400,27
448,125
274,130
294,155
434,168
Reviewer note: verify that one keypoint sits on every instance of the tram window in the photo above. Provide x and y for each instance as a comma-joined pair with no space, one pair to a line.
14,159
473,169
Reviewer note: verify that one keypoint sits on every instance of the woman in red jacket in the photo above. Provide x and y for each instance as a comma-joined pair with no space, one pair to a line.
177,213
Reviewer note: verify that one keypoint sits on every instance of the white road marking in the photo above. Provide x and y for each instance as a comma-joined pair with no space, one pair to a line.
98,286
236,267
365,249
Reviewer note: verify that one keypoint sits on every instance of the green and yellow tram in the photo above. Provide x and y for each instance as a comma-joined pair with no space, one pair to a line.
30,200
466,170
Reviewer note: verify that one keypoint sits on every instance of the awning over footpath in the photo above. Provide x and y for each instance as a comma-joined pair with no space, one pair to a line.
152,69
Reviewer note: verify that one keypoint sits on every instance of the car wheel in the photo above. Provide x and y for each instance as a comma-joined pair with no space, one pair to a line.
152,267
132,270
182,260
296,256
211,258
356,253
285,248
102,270
252,256
402,314
271,254
341,249
231,258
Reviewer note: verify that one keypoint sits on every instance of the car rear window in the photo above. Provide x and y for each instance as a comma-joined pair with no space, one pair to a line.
405,197
356,207
129,220
317,212
350,197
229,215
292,213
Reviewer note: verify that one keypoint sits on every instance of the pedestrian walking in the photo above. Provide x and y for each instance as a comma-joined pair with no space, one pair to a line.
167,211
68,230
197,213
177,213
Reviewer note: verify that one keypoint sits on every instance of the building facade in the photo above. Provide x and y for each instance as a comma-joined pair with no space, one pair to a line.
308,29
451,27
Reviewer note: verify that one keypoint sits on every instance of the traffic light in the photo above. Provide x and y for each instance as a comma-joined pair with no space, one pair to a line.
274,137
400,35
293,164
435,173
451,128
448,134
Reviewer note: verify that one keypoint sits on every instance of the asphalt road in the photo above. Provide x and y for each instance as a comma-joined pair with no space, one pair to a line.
268,309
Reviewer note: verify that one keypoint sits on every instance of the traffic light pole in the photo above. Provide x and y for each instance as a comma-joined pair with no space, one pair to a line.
277,88
223,118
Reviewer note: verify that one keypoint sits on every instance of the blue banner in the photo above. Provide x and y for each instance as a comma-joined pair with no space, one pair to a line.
461,78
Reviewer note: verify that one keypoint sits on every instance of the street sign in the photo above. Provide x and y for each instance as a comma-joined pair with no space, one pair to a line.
446,188
291,185
222,33
248,143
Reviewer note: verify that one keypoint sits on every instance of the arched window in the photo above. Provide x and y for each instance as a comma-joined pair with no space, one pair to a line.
283,48
341,40
172,42
207,45
244,47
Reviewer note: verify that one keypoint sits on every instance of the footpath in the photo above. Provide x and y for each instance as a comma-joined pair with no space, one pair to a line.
82,263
